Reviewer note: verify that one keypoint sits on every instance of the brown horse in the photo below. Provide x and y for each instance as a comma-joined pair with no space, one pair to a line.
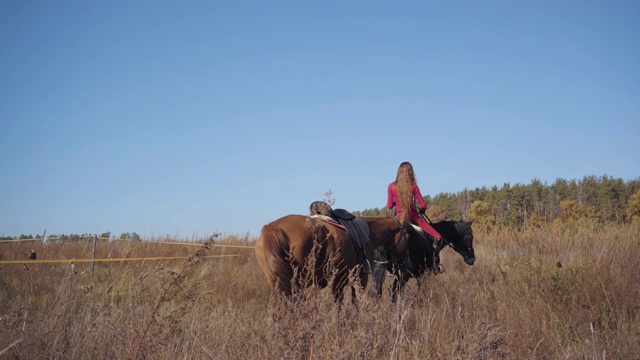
297,252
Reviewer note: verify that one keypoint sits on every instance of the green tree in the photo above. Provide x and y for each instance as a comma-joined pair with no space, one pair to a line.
371,212
130,236
449,202
535,194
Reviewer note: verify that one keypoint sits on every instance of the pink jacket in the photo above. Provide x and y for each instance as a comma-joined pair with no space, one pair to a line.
392,200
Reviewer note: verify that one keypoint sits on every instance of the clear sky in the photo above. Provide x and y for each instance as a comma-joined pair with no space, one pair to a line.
186,118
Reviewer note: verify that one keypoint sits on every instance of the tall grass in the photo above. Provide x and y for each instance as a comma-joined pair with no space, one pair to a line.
515,302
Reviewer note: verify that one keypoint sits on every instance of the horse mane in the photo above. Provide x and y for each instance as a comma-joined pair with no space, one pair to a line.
280,270
449,227
462,226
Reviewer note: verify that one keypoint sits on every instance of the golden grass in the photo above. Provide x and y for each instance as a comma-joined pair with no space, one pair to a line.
514,303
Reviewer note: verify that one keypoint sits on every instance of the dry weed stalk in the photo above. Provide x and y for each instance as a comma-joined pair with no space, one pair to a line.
171,291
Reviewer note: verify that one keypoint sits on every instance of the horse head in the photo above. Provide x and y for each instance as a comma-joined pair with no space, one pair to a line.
459,236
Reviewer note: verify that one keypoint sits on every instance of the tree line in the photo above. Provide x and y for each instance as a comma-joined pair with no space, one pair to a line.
73,237
592,199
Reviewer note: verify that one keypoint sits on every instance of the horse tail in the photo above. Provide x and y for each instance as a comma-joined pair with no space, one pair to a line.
277,256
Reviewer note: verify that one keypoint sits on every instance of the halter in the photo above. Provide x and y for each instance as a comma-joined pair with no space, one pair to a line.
467,239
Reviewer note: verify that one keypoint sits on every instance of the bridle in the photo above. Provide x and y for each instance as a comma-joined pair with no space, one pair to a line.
468,237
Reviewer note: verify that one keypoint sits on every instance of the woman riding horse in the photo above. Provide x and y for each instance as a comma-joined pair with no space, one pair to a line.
458,235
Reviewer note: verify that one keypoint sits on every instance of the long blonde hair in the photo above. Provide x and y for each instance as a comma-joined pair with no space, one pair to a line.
404,181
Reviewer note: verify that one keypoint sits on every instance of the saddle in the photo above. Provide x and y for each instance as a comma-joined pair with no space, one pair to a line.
356,227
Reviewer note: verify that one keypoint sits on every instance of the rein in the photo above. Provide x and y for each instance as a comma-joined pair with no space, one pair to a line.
444,239
447,243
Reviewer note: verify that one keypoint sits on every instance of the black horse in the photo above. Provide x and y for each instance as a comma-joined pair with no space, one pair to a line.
422,256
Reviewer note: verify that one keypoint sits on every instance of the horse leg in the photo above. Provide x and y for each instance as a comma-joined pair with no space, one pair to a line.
379,273
395,289
364,280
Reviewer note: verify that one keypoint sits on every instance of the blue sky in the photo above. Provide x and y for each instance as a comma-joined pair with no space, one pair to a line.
185,118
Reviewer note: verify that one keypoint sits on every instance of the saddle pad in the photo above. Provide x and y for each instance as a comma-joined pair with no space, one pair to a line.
330,220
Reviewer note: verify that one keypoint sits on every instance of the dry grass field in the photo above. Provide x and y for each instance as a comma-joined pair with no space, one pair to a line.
514,303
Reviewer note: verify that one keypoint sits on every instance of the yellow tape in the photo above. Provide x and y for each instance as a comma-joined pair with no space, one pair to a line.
18,240
111,259
200,244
